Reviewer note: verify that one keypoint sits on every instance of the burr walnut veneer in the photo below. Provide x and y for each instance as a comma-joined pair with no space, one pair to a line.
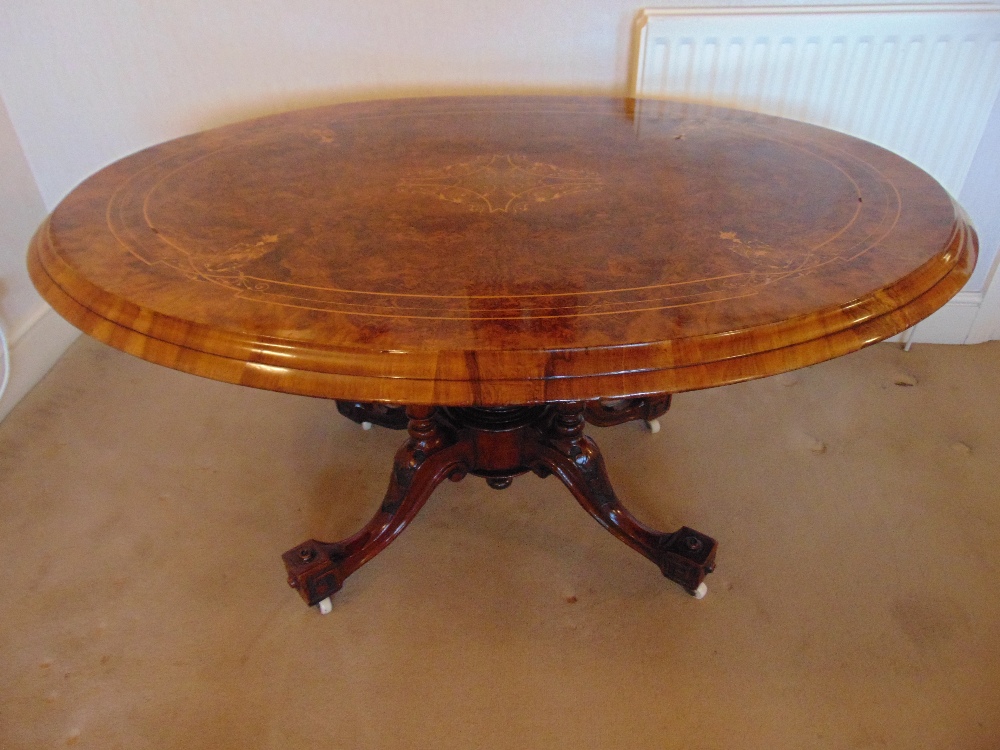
491,273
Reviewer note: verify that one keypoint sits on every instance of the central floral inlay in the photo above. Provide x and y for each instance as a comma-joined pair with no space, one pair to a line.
501,183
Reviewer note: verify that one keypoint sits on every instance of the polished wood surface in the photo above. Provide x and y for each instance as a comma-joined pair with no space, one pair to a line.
508,269
501,250
499,444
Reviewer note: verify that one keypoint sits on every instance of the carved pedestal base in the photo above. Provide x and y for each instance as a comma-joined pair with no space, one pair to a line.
498,444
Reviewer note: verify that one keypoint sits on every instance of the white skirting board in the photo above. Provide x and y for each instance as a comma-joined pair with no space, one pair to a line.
949,325
33,351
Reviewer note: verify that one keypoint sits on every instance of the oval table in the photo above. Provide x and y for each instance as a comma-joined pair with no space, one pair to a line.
492,273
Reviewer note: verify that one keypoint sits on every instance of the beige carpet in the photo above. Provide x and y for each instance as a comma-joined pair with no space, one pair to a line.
855,605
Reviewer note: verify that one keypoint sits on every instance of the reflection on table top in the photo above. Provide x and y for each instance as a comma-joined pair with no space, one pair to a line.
502,250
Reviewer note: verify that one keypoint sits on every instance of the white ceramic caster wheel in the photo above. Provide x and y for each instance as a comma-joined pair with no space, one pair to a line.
366,425
653,425
698,593
326,606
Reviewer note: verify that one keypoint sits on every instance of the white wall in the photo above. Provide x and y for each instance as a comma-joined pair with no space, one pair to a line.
21,210
37,339
981,198
89,81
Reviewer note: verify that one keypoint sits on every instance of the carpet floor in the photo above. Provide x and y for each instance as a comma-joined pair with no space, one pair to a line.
855,603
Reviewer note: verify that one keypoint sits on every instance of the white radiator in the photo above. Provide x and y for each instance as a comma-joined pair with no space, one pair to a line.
918,80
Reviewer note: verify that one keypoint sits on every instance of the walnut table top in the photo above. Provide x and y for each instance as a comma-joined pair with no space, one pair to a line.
502,250
509,269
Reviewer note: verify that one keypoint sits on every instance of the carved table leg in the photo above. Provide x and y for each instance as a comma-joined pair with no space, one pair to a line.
611,412
366,414
499,444
318,569
685,556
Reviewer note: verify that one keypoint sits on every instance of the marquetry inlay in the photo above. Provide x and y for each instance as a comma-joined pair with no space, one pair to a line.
490,251
501,183
394,253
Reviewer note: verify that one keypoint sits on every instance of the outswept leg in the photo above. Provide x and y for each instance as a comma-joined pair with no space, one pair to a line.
318,569
615,411
367,414
499,444
685,556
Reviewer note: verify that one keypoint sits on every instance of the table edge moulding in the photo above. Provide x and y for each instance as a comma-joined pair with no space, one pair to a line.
493,273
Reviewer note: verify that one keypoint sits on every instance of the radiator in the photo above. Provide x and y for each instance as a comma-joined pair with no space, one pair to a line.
919,80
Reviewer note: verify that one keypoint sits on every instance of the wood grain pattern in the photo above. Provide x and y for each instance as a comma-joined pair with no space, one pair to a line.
502,250
498,444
